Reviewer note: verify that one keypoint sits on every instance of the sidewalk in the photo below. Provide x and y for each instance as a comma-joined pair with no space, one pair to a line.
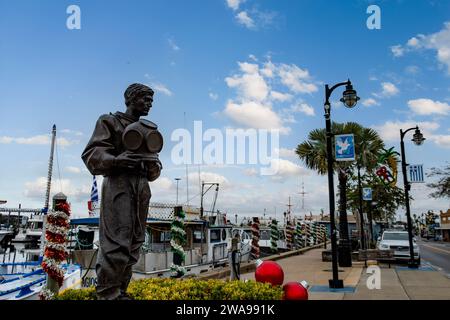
397,282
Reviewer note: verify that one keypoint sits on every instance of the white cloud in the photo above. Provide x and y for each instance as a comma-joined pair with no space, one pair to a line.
397,51
286,168
36,189
413,42
428,107
255,115
370,102
250,84
6,140
74,132
303,108
38,140
268,69
173,45
234,4
243,18
213,96
282,97
162,184
439,42
256,94
296,78
412,69
208,177
72,169
390,130
253,57
441,140
287,153
388,89
159,87
251,172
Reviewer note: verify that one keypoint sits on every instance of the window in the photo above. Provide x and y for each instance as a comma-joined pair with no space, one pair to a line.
265,235
395,236
160,236
215,235
197,236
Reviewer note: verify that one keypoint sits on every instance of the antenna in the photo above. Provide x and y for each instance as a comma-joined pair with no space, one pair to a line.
303,195
289,205
187,173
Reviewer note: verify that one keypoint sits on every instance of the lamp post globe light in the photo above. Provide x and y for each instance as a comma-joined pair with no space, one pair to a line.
418,140
350,99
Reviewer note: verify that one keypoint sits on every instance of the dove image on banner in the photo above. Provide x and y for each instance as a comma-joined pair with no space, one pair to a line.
367,194
344,147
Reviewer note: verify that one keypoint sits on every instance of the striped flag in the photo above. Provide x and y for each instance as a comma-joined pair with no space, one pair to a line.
416,173
93,203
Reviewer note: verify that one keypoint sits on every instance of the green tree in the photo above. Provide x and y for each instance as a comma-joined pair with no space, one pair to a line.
388,198
313,153
442,185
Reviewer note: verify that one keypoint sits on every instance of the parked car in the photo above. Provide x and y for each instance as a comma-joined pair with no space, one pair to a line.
398,241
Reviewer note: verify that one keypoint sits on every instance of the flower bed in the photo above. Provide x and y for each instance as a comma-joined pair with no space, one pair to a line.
188,289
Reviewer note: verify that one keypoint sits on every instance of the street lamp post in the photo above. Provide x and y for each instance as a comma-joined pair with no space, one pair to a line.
370,216
361,216
177,180
349,99
418,139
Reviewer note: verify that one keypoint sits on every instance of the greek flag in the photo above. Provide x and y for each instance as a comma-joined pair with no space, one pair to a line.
94,190
93,202
416,173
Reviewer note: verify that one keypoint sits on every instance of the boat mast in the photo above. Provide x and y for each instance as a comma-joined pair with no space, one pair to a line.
50,169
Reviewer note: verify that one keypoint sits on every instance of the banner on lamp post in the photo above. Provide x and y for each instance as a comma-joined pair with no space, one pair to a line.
344,147
367,194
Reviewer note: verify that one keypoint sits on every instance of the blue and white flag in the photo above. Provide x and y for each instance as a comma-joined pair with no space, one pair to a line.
93,203
344,147
416,173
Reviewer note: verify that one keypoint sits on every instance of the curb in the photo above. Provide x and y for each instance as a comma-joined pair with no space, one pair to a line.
250,266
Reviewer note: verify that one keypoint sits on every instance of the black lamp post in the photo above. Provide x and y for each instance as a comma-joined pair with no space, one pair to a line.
349,99
418,139
361,216
371,205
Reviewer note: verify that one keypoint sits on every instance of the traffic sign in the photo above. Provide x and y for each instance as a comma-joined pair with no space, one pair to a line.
344,147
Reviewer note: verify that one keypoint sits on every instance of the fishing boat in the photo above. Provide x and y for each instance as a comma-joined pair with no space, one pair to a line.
34,228
207,246
6,235
25,280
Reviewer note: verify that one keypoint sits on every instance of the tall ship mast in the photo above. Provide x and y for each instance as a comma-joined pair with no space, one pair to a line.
50,169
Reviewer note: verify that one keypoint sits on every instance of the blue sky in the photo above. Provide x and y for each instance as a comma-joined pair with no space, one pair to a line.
229,64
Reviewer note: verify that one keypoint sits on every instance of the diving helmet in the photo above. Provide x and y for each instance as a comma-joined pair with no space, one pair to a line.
142,137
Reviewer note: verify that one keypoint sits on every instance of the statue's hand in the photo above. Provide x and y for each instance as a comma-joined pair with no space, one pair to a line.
127,159
154,167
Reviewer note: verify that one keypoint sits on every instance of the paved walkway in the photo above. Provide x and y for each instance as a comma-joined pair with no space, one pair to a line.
397,282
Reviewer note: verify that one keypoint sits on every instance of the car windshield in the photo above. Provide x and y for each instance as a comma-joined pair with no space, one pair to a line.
395,236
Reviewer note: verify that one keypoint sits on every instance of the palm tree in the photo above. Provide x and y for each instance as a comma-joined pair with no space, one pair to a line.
367,148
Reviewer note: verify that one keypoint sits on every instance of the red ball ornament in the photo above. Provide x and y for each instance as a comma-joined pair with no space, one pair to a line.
269,271
296,291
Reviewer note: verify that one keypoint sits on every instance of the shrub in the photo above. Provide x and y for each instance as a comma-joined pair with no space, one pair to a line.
78,294
188,289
